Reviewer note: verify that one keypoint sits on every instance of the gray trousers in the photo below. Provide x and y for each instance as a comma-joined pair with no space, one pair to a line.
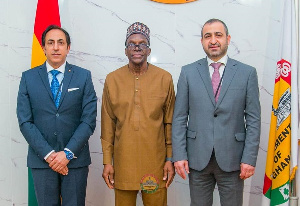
53,189
202,184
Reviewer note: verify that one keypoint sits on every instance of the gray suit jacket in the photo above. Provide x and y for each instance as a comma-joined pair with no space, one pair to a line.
231,126
46,127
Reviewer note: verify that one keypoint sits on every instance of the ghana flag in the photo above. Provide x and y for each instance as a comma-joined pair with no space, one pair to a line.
47,13
283,143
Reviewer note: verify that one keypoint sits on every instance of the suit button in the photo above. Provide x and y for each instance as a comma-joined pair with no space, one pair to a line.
57,115
55,133
215,115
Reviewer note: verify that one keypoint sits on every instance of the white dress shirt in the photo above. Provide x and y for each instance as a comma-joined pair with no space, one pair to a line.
223,60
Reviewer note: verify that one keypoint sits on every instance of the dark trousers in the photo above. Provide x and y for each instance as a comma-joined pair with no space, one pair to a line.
202,185
53,189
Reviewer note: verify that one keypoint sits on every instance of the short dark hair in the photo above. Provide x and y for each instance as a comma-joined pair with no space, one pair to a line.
210,21
49,28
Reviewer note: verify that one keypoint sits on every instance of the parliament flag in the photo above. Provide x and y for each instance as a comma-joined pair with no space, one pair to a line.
282,152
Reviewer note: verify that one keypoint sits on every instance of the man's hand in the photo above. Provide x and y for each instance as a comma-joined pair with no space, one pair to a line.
182,167
246,171
51,157
169,173
59,163
108,175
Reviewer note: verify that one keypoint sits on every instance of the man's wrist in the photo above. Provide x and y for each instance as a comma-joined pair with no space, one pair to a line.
168,159
46,157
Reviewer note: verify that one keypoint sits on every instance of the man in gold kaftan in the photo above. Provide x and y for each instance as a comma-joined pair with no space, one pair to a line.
136,120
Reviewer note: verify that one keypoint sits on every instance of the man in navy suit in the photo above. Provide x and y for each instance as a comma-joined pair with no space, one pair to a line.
56,109
216,121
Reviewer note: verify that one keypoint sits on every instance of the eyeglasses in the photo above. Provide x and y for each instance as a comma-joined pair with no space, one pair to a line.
141,46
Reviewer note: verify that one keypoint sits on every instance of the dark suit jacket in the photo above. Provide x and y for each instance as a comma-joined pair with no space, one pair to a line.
46,127
231,126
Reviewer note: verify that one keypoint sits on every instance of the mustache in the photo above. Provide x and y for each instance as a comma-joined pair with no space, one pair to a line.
216,44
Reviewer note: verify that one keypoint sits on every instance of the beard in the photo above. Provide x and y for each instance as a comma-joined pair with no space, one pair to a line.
216,54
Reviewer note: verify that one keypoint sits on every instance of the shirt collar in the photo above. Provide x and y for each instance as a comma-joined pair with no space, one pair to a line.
61,68
223,60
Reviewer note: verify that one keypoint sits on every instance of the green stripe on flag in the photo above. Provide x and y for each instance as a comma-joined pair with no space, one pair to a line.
31,193
280,195
268,193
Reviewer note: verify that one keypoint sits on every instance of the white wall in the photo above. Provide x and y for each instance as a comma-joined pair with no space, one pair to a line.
98,29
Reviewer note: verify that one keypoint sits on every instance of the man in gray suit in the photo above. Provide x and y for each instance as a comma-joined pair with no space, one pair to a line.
216,122
56,109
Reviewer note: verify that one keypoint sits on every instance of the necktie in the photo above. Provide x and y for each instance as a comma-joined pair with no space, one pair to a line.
55,87
215,79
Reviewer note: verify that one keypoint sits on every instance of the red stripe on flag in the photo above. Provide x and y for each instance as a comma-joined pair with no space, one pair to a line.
267,184
47,13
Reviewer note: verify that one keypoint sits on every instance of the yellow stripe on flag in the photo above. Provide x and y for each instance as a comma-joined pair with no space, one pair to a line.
38,57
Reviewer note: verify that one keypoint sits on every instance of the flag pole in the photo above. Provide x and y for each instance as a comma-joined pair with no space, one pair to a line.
293,196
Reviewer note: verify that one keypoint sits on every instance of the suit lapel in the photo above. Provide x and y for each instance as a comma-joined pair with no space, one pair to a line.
44,76
66,81
230,71
204,73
